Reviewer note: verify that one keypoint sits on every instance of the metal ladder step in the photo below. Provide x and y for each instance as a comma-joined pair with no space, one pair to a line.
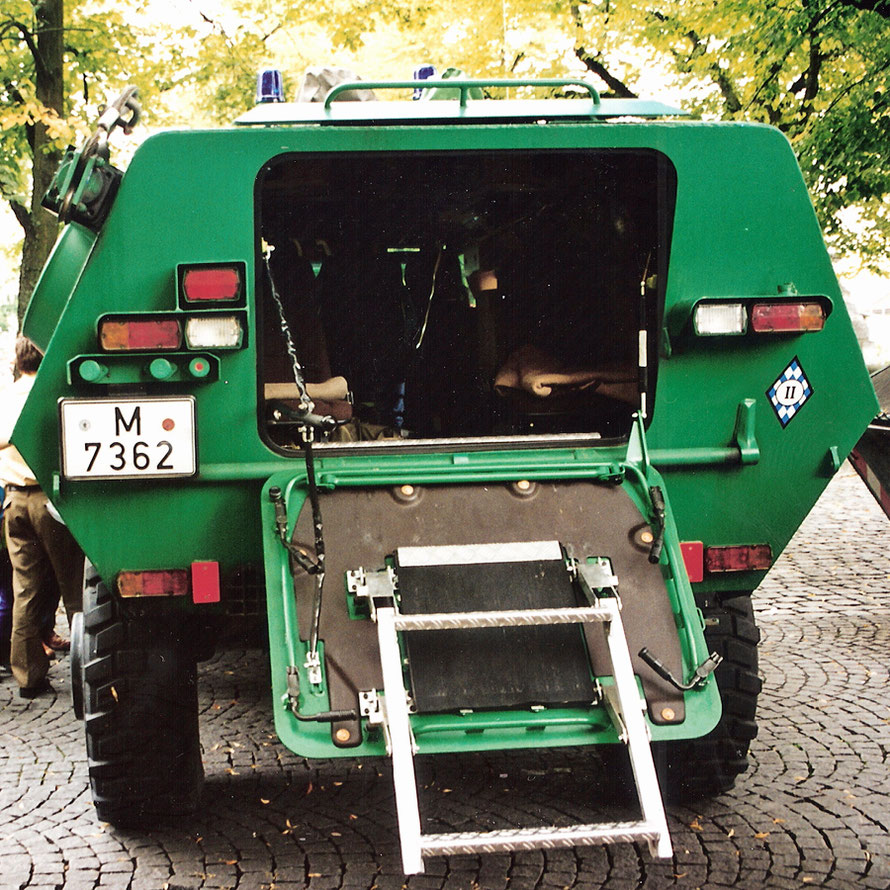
543,838
625,705
506,618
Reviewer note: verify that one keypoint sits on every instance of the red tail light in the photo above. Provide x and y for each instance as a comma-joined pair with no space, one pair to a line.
211,283
693,559
172,582
744,558
125,334
205,582
777,318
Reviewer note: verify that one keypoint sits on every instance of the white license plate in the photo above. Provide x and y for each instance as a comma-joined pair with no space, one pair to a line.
127,438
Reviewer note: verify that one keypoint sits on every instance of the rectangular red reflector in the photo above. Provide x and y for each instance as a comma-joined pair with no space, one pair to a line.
205,582
172,582
693,559
122,334
218,283
778,318
744,558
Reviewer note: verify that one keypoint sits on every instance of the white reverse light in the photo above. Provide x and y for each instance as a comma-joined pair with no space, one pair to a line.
711,319
213,332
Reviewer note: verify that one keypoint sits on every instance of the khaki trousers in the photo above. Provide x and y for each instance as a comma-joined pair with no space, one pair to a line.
37,545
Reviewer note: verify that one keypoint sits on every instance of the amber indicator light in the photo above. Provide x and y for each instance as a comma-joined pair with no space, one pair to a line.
129,334
779,318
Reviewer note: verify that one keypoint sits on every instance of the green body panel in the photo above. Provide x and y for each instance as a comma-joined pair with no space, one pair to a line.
56,283
762,237
736,232
743,227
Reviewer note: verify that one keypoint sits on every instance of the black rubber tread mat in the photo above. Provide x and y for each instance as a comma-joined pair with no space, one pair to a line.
493,667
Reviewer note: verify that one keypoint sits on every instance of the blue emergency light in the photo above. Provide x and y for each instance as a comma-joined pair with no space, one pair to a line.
422,72
269,86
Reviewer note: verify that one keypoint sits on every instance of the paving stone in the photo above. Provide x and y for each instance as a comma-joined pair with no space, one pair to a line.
812,810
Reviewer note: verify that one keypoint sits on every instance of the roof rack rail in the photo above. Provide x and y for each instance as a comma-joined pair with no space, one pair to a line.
464,85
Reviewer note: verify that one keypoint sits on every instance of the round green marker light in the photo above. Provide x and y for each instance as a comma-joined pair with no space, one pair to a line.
199,367
162,369
91,370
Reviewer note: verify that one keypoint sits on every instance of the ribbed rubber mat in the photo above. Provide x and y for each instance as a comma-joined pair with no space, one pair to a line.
499,667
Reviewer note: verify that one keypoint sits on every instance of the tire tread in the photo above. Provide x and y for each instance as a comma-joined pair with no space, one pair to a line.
141,714
708,766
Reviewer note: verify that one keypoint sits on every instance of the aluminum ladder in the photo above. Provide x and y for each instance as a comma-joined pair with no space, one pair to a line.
623,700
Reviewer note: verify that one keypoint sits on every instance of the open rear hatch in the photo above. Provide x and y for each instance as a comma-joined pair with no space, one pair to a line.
465,294
440,532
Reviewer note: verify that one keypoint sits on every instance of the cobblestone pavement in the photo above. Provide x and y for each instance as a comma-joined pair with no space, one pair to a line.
814,809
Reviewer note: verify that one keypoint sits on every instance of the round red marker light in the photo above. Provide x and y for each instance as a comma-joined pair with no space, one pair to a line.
199,367
168,424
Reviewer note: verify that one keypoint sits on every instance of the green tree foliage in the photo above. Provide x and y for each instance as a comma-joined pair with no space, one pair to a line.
378,39
819,70
58,62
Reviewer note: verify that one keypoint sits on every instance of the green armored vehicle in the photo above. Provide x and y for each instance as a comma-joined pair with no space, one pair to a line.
515,401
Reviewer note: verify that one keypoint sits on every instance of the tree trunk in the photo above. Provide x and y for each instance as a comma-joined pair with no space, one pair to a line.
41,227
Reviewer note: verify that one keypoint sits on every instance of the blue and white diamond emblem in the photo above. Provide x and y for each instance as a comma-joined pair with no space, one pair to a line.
789,392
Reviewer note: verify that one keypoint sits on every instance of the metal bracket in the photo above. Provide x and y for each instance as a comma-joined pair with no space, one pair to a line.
292,698
374,588
595,577
613,706
744,434
313,667
369,706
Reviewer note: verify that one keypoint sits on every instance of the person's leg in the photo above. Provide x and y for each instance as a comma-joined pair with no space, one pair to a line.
29,567
64,554
50,599
5,607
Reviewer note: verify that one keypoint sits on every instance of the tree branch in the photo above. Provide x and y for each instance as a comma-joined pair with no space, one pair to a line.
618,87
880,7
23,216
20,99
809,79
869,75
30,42
718,75
727,88
592,61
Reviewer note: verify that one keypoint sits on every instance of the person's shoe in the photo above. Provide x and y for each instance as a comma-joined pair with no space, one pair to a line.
34,691
56,643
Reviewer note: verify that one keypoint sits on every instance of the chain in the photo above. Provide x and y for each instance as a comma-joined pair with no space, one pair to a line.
306,404
306,407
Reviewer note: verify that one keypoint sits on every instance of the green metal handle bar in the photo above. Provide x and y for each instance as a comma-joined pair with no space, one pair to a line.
463,85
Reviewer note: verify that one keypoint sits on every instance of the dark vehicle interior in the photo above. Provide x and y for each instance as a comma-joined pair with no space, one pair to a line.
464,294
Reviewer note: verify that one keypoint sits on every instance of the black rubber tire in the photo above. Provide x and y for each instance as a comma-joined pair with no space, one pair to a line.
704,767
75,666
141,713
